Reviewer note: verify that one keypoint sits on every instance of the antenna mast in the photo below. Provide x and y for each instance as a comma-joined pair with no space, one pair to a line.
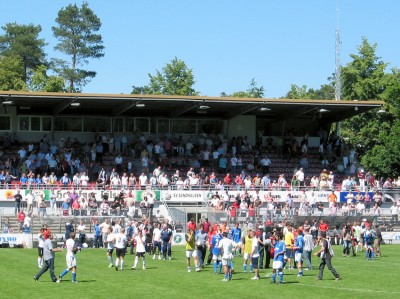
338,64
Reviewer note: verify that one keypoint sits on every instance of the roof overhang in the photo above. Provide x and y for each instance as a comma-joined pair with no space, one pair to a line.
125,105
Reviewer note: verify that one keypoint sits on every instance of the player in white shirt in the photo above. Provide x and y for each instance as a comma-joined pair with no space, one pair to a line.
140,240
70,258
117,227
157,241
120,245
110,246
226,246
40,247
255,254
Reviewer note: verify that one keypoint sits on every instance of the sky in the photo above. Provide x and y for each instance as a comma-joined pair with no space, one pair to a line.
226,43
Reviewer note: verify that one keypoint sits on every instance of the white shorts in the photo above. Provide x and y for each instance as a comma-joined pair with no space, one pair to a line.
216,257
277,265
226,262
191,253
239,243
71,260
246,256
297,257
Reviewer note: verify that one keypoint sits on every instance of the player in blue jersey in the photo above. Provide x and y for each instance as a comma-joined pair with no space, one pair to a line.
298,251
216,251
237,237
369,238
279,255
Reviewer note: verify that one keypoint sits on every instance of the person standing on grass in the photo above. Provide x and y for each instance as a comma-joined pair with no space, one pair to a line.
246,248
237,237
326,253
201,244
308,248
279,256
166,240
110,246
298,251
156,240
140,240
70,258
226,247
255,254
289,240
191,250
40,247
48,257
216,251
120,245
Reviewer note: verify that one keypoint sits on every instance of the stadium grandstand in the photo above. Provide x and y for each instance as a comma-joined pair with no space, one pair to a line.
88,157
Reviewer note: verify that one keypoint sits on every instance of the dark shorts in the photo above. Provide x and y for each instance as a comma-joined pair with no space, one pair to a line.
254,262
120,252
40,251
141,254
110,251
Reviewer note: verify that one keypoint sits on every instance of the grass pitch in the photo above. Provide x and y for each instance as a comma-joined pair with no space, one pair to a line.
170,279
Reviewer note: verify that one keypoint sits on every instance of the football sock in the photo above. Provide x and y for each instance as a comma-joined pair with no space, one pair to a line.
215,266
73,276
244,267
273,277
64,272
280,276
117,262
122,264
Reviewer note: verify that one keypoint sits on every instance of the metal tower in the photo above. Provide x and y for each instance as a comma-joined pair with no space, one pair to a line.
338,63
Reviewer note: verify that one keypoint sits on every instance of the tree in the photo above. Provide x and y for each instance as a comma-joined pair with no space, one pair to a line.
374,135
174,79
363,79
253,91
76,33
326,92
40,81
23,41
11,73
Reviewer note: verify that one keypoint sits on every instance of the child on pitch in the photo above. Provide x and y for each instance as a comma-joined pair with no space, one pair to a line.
120,246
369,242
247,248
140,240
110,246
298,251
70,258
216,251
226,247
279,254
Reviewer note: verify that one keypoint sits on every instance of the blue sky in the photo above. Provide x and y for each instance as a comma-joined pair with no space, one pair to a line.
225,42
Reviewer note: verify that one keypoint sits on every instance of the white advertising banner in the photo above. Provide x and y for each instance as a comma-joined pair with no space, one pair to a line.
183,196
16,239
391,237
278,196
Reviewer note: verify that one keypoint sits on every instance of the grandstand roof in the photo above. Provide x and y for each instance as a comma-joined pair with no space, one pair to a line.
113,105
